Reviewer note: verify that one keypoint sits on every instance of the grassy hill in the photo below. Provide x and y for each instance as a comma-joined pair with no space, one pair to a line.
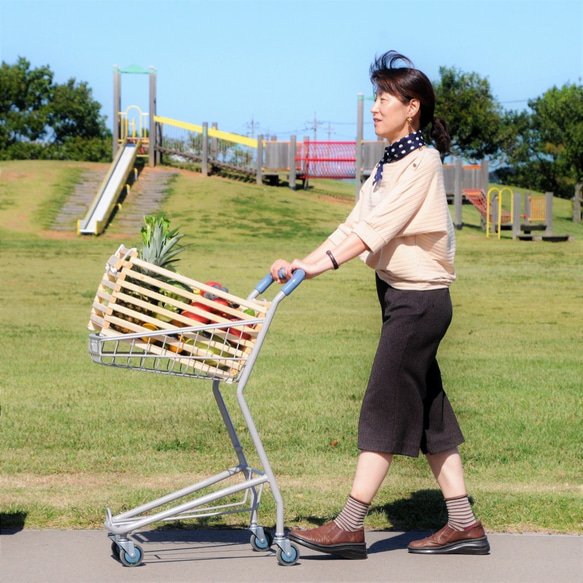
76,437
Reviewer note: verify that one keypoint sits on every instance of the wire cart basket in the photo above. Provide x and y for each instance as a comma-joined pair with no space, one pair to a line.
148,318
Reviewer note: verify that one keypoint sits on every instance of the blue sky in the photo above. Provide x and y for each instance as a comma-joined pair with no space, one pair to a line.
282,64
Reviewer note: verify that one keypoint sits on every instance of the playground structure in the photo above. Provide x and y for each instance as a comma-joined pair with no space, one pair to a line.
534,213
131,140
137,134
264,159
112,187
500,208
490,207
147,136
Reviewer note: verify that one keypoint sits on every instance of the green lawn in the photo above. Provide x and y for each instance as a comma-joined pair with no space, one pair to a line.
76,437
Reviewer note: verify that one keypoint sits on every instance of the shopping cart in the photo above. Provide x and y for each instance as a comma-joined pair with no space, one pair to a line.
151,319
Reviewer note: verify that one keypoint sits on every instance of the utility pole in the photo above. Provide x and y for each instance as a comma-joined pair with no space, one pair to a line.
253,125
329,132
314,127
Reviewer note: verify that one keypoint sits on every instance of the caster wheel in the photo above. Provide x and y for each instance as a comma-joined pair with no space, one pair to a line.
258,545
115,550
129,561
288,560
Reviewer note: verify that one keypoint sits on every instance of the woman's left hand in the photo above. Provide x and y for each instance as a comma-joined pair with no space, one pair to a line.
310,269
278,265
283,270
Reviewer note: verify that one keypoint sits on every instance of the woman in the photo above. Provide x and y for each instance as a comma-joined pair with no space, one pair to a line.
401,227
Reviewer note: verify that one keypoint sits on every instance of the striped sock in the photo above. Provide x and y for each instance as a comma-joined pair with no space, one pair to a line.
352,516
459,512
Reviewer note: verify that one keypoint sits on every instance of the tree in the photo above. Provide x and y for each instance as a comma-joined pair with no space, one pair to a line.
24,102
544,149
474,118
40,119
74,113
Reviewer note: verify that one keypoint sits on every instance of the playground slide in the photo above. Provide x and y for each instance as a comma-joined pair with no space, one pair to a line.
478,199
111,188
483,202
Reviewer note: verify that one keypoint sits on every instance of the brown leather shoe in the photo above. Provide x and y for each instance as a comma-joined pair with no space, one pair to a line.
471,541
329,538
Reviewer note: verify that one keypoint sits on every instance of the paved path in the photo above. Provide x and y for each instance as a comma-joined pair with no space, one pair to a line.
221,556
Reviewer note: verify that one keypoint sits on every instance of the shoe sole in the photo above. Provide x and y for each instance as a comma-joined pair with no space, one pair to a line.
478,546
346,551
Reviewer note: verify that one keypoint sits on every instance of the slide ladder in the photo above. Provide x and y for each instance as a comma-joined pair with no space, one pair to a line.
110,191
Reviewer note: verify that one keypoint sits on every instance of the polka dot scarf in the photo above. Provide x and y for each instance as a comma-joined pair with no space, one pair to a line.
399,150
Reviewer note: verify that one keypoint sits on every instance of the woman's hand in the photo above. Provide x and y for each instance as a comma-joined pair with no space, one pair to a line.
311,269
277,266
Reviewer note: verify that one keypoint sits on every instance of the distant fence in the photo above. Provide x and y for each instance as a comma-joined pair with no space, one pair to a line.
181,141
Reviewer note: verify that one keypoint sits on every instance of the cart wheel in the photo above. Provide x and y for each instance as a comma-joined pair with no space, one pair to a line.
134,561
286,560
115,550
257,545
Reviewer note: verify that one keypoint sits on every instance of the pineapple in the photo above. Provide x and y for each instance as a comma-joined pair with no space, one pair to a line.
160,244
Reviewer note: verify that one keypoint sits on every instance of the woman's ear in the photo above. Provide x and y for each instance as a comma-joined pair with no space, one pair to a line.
414,107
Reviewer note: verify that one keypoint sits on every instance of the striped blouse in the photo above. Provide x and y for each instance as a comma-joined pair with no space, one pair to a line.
405,222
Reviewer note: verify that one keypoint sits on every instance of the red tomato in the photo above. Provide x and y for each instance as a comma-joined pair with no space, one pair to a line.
196,317
221,302
238,333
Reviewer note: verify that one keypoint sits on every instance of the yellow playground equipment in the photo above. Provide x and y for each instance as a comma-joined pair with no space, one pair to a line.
134,127
495,213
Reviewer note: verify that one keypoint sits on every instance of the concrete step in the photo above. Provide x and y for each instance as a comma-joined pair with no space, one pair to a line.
145,198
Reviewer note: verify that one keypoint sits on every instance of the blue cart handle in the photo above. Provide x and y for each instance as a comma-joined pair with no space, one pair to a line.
288,287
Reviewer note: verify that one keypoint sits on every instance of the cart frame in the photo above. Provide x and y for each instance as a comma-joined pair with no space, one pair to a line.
135,351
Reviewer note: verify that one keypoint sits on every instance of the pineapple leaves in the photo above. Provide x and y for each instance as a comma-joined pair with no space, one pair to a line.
160,244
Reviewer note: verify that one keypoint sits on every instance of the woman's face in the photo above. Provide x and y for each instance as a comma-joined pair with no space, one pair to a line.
389,116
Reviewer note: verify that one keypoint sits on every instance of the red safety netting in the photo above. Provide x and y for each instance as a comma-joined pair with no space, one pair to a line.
326,159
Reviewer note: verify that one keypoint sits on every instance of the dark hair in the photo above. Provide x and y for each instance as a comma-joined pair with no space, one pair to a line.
406,83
